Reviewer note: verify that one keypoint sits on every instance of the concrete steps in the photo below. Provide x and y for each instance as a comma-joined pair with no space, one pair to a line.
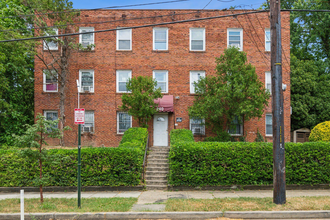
157,168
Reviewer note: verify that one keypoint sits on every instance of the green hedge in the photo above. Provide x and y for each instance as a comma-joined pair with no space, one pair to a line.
135,137
100,167
211,163
181,135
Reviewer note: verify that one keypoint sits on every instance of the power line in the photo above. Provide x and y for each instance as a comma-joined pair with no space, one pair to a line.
207,4
135,27
110,7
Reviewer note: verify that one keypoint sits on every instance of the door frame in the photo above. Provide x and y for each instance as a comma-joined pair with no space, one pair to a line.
153,121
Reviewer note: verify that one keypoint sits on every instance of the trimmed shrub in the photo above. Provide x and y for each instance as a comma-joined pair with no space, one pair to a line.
100,167
181,135
222,136
135,137
228,163
320,132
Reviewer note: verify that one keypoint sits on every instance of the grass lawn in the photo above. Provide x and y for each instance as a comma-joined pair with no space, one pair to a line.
68,205
248,204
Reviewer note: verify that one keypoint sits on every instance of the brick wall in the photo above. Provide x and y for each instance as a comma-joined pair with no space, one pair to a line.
142,60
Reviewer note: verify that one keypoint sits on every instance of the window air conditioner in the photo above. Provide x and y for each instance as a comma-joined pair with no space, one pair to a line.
86,88
197,131
85,44
88,129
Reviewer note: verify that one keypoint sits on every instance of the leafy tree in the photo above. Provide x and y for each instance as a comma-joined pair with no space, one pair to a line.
34,137
139,102
236,91
16,71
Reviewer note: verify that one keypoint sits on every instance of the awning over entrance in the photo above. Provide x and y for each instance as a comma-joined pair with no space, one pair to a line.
165,104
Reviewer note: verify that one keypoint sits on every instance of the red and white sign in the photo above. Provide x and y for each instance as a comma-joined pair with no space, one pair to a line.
79,116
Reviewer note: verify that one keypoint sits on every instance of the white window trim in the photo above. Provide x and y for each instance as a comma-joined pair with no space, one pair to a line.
50,111
82,127
192,89
268,76
117,39
153,38
118,122
191,39
203,121
267,29
89,29
268,135
117,80
241,36
80,86
45,47
153,75
45,85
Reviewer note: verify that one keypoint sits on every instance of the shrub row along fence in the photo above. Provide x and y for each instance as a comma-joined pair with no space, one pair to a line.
227,163
104,166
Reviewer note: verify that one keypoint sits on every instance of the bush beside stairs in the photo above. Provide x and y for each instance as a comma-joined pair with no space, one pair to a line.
157,168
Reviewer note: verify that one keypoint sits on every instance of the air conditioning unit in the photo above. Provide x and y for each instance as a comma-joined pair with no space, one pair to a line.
236,45
86,88
197,131
85,44
88,129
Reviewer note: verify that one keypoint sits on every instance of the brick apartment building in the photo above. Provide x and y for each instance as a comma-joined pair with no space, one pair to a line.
176,55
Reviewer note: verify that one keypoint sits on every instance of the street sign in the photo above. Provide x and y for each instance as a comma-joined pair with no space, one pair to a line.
79,116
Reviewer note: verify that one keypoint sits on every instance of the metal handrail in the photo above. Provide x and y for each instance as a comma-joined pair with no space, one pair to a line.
144,159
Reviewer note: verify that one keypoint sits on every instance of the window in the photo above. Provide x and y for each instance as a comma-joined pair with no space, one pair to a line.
269,125
268,82
195,76
197,39
89,122
51,116
86,79
197,126
124,39
236,127
122,78
161,77
160,39
235,38
124,122
88,38
49,43
50,81
267,39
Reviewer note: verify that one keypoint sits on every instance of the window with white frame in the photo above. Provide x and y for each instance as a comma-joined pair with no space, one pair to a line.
89,122
50,81
124,122
235,38
267,39
197,39
162,80
236,127
50,43
195,76
268,82
197,126
87,38
160,38
122,78
86,79
269,124
51,116
124,39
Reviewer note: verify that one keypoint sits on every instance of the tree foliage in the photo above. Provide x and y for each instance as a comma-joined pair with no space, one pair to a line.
139,102
236,91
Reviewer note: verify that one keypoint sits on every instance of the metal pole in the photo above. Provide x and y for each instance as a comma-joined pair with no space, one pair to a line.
79,153
22,204
279,196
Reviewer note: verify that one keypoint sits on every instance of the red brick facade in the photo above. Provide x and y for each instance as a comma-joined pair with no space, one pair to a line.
178,60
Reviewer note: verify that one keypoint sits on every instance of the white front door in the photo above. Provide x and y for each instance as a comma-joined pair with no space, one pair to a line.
160,130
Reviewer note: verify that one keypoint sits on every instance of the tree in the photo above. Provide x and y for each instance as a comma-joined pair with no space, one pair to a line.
139,102
236,91
34,137
16,71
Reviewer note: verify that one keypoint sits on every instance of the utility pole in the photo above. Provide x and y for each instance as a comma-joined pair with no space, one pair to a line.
279,196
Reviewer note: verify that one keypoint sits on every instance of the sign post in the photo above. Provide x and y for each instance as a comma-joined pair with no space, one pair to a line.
79,118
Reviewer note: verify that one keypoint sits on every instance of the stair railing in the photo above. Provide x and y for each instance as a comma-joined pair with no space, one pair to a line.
144,159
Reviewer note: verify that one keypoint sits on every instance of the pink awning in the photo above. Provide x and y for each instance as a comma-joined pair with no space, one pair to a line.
165,104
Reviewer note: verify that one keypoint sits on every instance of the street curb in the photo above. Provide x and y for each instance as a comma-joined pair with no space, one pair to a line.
71,189
173,215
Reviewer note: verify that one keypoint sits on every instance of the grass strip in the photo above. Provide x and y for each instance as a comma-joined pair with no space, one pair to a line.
68,205
248,204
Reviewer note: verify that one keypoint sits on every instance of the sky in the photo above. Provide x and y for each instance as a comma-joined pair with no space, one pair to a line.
189,4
